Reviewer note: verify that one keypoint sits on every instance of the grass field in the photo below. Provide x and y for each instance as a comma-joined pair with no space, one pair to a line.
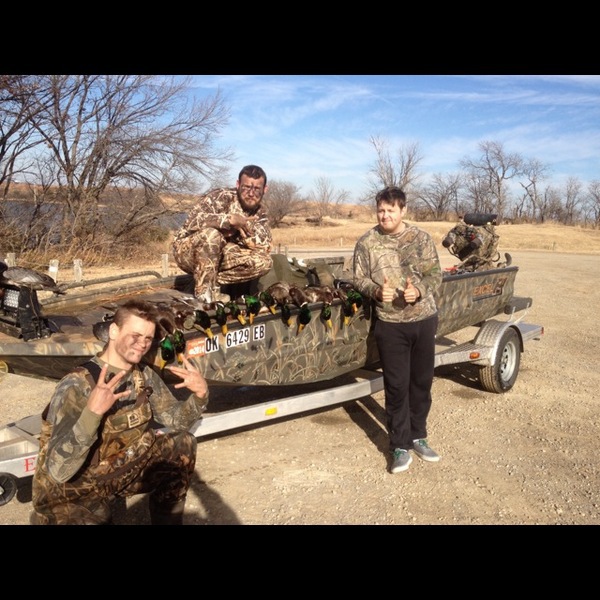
341,233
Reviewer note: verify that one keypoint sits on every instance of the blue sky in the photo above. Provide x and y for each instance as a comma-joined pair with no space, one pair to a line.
301,127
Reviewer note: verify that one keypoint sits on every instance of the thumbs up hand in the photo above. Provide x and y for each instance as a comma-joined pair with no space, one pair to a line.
411,293
387,293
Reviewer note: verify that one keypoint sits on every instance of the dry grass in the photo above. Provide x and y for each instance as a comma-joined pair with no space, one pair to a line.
340,235
343,233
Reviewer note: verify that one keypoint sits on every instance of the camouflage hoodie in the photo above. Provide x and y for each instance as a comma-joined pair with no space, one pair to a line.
213,209
410,253
72,429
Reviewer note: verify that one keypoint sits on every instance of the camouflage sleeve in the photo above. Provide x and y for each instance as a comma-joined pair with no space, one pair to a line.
211,210
75,428
262,237
168,410
362,268
413,255
429,270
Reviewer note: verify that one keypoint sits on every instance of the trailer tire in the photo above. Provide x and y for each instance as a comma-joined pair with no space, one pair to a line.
8,488
501,376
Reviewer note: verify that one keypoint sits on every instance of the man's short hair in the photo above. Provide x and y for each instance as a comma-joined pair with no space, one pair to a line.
253,172
391,195
138,308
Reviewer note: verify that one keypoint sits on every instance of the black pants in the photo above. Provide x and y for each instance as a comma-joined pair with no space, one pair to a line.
407,354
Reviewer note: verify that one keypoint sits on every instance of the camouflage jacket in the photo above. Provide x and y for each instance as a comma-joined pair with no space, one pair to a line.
73,429
213,210
410,253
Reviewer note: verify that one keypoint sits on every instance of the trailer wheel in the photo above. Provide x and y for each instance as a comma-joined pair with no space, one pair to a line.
8,488
501,376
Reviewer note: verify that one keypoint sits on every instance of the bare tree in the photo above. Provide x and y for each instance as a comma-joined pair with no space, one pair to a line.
109,132
592,202
518,210
18,94
281,199
477,193
573,200
534,172
441,195
492,171
326,199
550,207
387,172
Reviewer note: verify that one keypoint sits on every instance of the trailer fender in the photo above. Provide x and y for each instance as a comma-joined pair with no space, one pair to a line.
490,334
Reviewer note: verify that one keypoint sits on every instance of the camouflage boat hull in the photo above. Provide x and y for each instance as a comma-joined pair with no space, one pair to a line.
265,352
269,352
467,299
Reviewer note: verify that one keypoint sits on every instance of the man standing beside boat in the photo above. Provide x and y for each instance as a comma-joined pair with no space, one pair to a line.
226,238
397,266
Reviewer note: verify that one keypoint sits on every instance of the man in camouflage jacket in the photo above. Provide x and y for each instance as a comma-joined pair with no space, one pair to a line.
226,238
397,266
101,432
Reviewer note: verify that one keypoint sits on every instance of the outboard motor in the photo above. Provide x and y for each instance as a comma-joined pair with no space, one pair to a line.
474,241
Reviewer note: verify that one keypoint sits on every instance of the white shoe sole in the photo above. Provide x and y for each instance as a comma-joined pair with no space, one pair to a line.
403,467
427,458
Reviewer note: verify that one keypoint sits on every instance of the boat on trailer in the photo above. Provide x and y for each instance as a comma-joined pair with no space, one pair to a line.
47,337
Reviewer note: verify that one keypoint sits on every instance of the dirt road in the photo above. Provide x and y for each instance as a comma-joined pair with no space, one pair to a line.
529,456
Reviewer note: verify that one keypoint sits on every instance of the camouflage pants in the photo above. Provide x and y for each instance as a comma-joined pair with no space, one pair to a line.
166,476
213,261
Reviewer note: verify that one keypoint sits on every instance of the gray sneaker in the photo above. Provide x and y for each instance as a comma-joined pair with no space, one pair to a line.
422,450
401,460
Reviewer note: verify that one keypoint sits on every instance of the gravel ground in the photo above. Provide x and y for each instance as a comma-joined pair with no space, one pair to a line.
525,457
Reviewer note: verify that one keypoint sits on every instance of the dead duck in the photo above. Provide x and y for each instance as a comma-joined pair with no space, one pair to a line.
200,320
166,320
221,317
280,293
235,311
179,344
167,351
347,309
267,299
326,315
252,304
322,293
297,295
301,301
